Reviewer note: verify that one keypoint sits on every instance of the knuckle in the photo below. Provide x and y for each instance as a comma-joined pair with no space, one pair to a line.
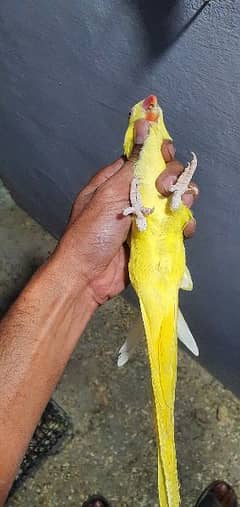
190,228
168,150
135,153
174,167
106,193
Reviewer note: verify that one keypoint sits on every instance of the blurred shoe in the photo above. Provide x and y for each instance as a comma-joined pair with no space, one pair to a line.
218,494
96,501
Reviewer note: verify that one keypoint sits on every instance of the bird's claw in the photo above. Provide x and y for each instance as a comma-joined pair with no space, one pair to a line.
136,207
182,184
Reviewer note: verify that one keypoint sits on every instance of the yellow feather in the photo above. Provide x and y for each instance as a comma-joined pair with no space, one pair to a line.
156,267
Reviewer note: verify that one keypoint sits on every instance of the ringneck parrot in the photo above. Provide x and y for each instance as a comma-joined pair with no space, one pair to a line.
157,270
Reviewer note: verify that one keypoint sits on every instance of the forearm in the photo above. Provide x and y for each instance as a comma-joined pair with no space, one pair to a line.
37,337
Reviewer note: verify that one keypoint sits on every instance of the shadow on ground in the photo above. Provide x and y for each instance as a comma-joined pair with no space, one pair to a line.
113,449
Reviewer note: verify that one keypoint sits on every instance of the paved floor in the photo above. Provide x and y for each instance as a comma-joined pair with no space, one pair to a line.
113,449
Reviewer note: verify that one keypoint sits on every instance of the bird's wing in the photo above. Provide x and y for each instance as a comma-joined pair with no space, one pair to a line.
134,336
185,335
137,332
186,283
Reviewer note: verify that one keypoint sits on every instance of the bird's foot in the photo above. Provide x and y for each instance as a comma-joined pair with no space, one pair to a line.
181,186
136,207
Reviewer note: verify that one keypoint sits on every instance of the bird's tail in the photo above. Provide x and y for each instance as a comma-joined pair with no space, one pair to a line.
160,327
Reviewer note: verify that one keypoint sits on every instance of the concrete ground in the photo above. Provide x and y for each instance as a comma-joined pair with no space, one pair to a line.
113,450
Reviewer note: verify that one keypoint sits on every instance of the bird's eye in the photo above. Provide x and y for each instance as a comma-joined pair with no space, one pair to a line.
129,114
151,106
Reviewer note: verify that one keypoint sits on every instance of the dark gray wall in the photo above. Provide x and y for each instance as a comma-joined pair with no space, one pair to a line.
70,70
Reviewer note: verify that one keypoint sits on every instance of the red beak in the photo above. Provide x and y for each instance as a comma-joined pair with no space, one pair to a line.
150,105
150,102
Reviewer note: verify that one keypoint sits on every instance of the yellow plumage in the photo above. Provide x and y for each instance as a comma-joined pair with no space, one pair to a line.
156,267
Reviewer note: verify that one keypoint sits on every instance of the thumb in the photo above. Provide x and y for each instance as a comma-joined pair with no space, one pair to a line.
122,179
141,130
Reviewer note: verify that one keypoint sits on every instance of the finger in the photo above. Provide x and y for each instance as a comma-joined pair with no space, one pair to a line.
104,174
87,192
168,150
141,130
190,228
191,195
169,177
194,189
117,187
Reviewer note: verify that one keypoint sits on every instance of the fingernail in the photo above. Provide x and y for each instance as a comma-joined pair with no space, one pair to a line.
141,129
118,163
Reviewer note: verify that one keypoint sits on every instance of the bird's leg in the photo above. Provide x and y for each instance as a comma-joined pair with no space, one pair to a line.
136,207
181,186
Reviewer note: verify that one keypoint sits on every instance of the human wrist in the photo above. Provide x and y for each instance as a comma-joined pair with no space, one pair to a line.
72,269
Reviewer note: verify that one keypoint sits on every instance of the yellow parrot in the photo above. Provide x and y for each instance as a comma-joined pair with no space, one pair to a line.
157,269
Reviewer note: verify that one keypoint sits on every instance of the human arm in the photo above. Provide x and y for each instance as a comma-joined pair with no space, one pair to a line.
40,331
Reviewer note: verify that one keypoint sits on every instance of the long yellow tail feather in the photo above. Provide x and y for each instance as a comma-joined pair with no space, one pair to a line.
162,348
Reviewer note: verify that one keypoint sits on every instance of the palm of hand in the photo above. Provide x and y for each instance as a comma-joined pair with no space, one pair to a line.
106,253
113,280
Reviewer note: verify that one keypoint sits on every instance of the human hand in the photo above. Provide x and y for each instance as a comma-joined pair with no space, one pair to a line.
96,236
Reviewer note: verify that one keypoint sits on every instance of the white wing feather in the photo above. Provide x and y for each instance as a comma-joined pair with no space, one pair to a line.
137,332
186,283
134,336
185,335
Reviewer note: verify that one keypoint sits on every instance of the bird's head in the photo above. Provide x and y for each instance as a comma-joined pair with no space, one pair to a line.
147,109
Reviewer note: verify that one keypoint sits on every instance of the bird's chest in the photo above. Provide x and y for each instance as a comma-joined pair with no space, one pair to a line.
159,250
